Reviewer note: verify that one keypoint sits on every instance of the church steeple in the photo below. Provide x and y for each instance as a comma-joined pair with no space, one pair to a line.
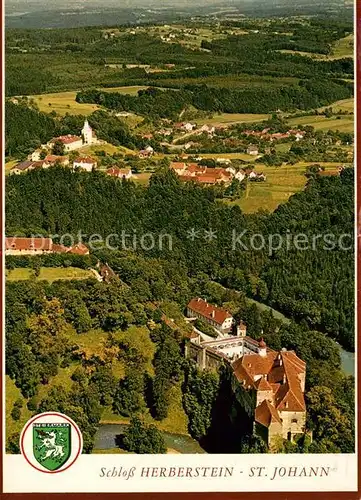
87,133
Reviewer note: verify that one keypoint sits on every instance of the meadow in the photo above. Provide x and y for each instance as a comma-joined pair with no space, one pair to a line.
63,103
340,123
232,118
281,184
49,274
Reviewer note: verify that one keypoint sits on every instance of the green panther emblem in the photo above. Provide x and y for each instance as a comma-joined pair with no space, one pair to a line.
52,444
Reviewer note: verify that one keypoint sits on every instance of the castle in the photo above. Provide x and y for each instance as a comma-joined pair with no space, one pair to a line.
269,385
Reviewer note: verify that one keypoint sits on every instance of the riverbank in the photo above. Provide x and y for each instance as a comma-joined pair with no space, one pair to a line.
108,439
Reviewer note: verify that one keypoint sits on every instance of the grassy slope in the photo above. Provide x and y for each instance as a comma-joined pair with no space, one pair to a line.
49,274
344,124
62,103
281,183
231,118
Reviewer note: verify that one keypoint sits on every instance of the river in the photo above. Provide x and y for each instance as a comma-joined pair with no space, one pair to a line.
347,358
107,438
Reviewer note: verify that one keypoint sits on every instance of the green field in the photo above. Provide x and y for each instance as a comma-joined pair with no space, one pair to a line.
282,182
230,118
343,105
342,123
142,178
48,274
62,103
343,48
131,90
9,165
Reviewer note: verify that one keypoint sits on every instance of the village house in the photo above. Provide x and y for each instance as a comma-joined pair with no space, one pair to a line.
26,166
188,127
178,167
51,160
147,152
70,142
207,129
120,173
240,176
38,246
253,150
215,316
84,163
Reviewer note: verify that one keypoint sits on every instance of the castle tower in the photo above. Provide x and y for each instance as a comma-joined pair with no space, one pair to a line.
262,348
87,133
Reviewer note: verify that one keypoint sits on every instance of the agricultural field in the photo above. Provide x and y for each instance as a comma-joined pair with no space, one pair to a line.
343,105
281,184
343,47
62,103
9,165
341,123
232,118
49,274
142,178
108,148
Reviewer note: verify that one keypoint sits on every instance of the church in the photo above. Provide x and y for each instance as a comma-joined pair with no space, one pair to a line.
74,142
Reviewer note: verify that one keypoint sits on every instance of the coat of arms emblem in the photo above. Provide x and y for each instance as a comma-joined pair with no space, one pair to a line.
52,444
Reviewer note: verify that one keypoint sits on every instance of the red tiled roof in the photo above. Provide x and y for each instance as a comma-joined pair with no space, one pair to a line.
177,165
118,172
14,243
55,158
79,249
85,159
263,385
329,172
266,413
208,311
67,139
207,179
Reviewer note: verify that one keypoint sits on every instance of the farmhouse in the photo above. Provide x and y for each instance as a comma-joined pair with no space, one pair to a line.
71,142
178,167
147,152
120,173
53,159
252,150
219,318
84,163
25,166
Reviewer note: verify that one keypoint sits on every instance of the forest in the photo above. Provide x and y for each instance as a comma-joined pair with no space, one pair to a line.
317,287
308,94
40,61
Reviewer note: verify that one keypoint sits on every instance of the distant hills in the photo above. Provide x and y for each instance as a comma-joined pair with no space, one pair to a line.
77,13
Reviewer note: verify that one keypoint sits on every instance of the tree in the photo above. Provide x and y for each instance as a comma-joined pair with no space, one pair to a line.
58,148
129,396
140,438
326,420
200,394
